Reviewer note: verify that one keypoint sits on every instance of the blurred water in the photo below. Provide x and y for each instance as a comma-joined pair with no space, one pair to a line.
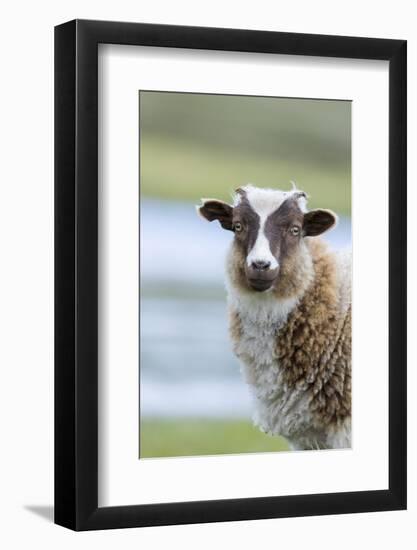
187,366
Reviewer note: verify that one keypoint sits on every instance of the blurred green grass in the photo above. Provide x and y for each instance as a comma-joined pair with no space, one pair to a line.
178,171
194,437
202,145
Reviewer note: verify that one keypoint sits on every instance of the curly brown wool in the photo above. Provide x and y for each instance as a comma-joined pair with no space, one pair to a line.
314,346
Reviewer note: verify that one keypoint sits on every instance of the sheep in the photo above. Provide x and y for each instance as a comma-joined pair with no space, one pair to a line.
289,301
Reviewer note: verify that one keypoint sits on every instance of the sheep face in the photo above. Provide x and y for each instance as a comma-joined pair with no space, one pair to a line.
269,229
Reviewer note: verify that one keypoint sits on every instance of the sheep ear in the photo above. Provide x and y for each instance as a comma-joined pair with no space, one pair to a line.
318,221
212,209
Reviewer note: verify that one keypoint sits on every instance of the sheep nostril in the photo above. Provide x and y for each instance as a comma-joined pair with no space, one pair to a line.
261,265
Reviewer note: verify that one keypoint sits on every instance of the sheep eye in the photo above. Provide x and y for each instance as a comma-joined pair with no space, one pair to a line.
237,227
295,230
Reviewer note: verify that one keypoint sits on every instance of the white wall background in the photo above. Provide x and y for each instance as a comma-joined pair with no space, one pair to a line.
26,288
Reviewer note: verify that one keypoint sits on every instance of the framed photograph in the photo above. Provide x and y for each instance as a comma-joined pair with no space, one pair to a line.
230,253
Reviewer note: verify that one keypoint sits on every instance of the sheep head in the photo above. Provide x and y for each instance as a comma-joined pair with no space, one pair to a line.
269,229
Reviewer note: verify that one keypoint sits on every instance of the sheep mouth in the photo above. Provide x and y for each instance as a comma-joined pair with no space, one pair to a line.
260,280
260,285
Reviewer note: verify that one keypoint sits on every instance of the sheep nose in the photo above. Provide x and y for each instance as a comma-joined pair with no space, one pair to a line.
261,265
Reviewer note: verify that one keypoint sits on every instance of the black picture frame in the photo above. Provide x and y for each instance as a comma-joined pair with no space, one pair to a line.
76,273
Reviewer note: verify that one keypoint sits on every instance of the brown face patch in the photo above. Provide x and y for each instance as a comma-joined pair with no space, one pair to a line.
283,229
248,222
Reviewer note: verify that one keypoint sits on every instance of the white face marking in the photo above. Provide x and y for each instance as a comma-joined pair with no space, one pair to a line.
264,202
261,251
